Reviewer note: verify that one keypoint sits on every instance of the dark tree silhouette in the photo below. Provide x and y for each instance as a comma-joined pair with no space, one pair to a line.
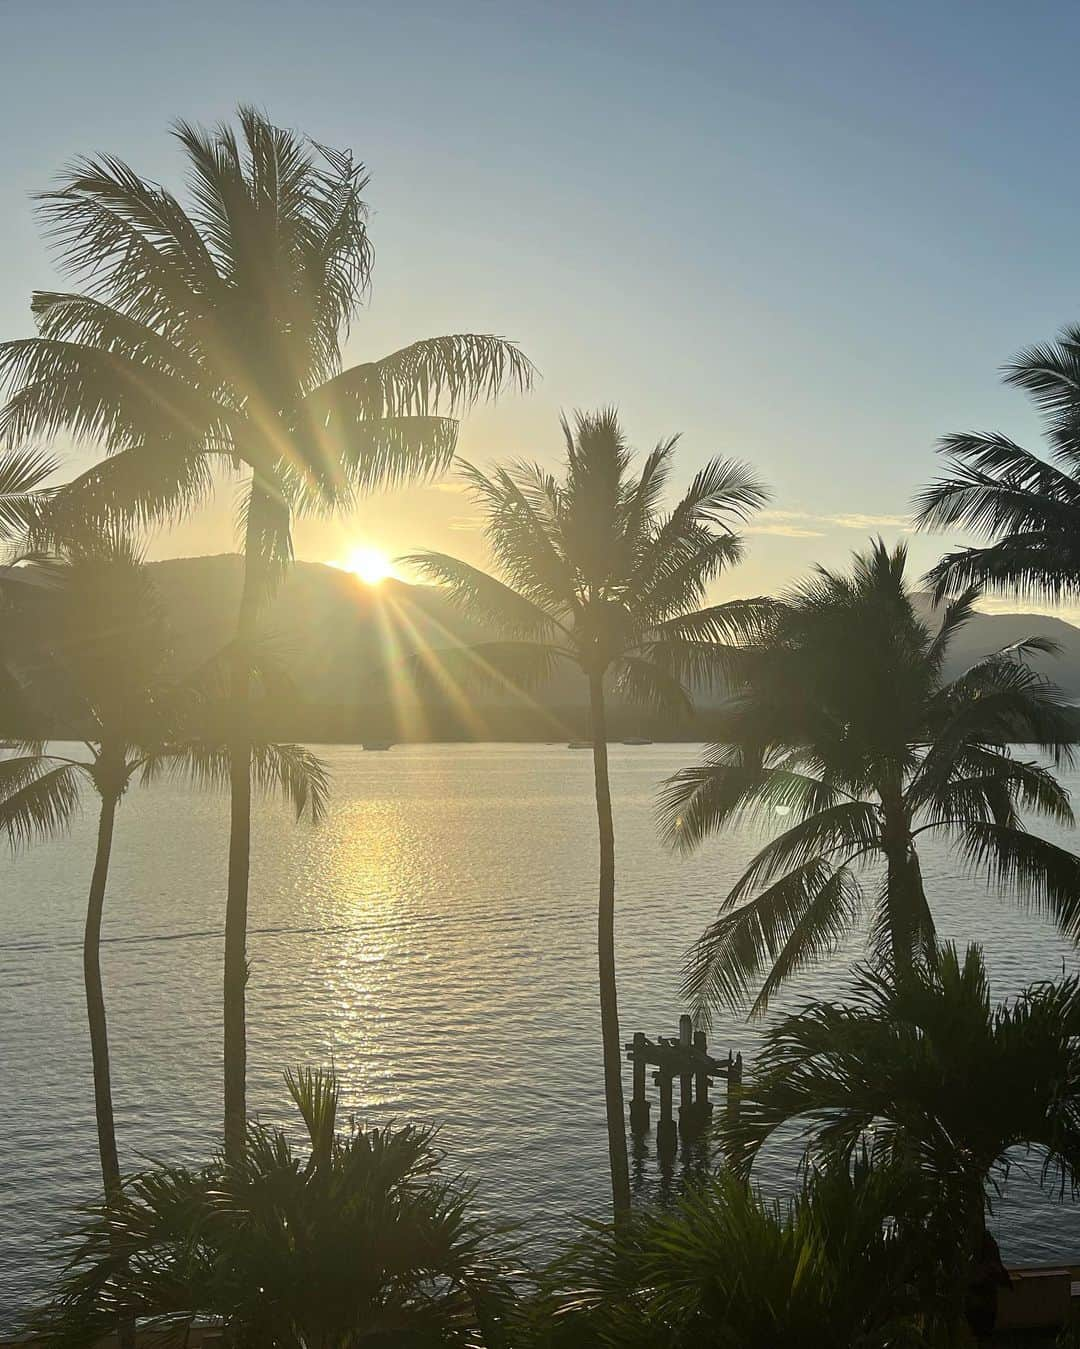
1027,507
208,340
597,576
847,724
929,1073
94,656
350,1238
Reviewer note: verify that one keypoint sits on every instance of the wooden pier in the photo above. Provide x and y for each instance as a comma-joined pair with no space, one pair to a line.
686,1057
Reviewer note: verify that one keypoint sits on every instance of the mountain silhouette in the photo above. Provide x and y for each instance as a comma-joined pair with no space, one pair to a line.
348,652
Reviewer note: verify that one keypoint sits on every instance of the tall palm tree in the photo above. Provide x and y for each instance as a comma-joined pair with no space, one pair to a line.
1027,507
849,730
930,1073
208,337
596,576
96,661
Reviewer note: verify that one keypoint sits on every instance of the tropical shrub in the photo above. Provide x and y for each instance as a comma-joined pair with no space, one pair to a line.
354,1238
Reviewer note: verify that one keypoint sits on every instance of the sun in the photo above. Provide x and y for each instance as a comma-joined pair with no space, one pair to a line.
370,564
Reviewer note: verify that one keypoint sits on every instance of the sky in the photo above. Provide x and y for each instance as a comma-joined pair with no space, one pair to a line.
806,235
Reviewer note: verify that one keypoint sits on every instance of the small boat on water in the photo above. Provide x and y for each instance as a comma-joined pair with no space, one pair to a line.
580,744
637,740
377,744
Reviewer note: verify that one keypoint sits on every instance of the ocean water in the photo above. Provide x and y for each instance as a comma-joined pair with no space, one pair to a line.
433,939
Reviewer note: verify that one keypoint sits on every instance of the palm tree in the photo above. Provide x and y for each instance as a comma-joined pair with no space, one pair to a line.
930,1073
356,1238
1028,507
95,659
848,725
209,338
597,577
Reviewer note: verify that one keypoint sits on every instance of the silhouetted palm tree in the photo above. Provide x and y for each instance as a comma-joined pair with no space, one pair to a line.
96,662
208,338
848,723
355,1239
927,1072
1028,507
597,576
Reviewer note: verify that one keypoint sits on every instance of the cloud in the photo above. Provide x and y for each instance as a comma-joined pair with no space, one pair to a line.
787,531
857,521
807,525
465,523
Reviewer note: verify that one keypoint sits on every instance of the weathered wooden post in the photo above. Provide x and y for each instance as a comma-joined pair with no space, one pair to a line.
639,1102
702,1105
686,1077
667,1135
734,1085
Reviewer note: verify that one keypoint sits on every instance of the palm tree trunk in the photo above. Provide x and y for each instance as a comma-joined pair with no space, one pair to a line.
95,1001
609,1001
911,925
236,904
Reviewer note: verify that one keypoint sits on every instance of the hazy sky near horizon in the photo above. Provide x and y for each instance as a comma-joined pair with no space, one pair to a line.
807,235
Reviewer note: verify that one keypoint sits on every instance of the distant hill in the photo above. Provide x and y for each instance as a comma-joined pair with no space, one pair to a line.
337,639
348,649
993,632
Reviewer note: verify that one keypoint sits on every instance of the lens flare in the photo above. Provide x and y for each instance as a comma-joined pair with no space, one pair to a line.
369,564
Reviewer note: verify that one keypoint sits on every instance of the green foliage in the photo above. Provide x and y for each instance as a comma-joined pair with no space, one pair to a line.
207,336
934,1080
1027,508
942,1076
23,474
725,1268
354,1238
593,572
846,726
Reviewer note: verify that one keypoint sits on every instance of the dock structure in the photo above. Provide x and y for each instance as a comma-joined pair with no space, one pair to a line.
686,1057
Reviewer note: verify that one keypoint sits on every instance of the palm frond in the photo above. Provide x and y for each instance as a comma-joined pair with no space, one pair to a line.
1035,871
343,452
653,683
700,800
23,474
138,487
743,622
38,798
522,505
796,919
447,374
291,771
1033,565
483,597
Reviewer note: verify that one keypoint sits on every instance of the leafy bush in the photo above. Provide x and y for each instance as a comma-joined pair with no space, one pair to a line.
357,1239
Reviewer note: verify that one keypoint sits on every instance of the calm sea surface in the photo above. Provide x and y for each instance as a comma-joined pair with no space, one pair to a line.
434,940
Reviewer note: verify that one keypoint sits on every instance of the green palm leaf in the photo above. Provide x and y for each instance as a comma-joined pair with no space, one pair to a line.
845,719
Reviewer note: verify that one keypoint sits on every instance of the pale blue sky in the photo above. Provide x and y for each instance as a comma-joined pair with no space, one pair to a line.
804,234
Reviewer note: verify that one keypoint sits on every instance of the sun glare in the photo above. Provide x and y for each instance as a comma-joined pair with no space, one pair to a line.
371,565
